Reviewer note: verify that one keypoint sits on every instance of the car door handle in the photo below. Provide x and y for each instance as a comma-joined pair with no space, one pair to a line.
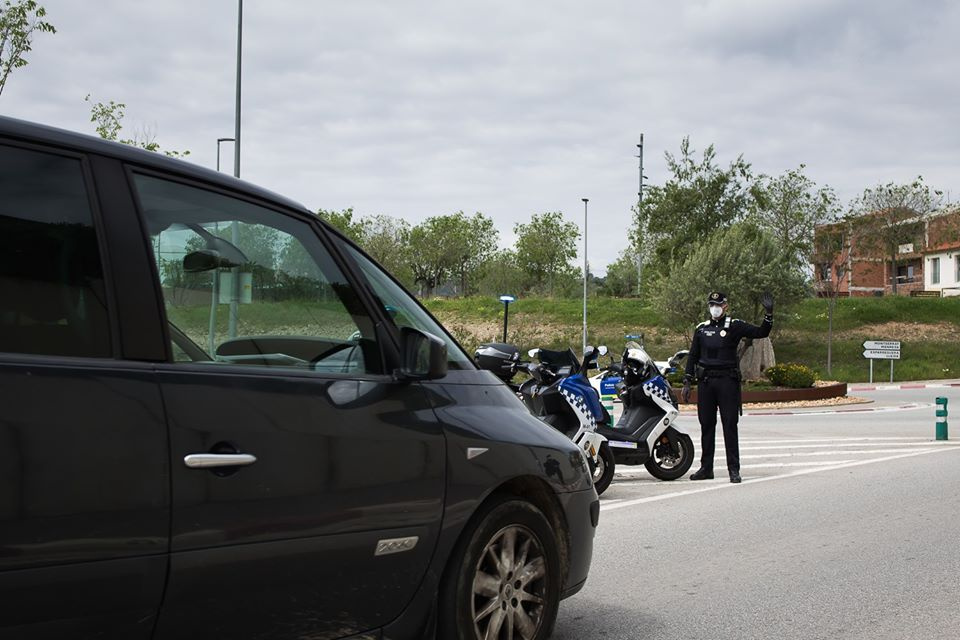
213,460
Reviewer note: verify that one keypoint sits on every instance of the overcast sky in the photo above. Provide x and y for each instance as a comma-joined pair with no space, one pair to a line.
414,109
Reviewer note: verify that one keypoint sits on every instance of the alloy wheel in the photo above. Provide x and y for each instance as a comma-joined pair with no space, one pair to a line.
510,586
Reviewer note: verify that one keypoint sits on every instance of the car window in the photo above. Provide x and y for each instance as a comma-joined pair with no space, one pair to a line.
404,310
52,294
246,285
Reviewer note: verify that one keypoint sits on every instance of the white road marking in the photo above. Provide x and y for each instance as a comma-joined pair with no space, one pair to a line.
801,472
802,440
852,444
822,463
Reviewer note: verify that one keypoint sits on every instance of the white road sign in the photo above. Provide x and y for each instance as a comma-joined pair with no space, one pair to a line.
885,345
881,354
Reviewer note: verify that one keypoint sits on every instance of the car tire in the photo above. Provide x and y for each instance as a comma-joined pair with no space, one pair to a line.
504,573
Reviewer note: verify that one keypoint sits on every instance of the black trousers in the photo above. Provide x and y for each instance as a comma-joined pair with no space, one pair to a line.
723,393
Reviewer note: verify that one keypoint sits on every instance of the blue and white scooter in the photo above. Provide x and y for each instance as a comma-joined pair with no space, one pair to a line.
647,432
559,393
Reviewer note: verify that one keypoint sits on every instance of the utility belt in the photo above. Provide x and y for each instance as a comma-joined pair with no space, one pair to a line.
704,373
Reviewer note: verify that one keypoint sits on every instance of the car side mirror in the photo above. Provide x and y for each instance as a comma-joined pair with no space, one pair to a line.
424,355
206,260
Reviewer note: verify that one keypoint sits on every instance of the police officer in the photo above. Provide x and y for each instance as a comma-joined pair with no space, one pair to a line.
713,360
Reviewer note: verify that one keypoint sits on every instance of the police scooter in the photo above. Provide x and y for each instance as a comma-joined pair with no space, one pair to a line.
647,432
558,393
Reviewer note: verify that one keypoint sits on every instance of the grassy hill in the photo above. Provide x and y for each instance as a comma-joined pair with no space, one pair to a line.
928,329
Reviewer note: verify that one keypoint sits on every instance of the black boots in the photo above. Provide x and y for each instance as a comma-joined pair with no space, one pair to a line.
702,474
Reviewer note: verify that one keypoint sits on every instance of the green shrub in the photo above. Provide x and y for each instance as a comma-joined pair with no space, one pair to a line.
795,376
676,378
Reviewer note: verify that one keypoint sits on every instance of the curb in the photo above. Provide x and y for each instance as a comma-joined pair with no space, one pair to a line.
906,385
914,405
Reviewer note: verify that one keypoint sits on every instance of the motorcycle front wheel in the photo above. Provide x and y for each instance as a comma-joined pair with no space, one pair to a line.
603,469
665,464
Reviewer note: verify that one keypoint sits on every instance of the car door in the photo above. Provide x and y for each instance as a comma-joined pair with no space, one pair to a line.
84,477
307,481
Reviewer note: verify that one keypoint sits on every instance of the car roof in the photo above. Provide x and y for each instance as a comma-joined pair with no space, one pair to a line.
34,132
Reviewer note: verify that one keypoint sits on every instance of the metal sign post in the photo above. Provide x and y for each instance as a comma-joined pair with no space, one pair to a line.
881,350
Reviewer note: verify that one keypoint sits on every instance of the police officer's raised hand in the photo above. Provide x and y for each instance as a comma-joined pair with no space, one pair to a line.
766,300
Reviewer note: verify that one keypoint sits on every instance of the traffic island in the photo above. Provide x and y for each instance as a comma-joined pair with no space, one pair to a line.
786,394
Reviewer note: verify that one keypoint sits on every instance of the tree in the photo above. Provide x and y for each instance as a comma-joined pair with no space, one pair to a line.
434,251
545,247
108,118
829,266
501,275
743,261
19,19
343,222
476,242
698,199
621,279
891,215
790,207
387,240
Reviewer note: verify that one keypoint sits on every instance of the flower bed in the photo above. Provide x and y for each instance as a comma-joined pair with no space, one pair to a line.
784,394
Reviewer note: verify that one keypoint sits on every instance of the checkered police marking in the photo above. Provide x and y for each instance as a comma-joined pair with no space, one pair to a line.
657,387
579,405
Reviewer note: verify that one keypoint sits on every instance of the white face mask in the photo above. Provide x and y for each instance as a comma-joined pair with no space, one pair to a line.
715,311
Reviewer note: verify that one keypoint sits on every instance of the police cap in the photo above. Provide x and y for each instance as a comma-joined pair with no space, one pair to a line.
717,298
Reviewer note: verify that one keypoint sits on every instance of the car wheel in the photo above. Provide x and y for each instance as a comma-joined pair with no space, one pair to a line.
503,580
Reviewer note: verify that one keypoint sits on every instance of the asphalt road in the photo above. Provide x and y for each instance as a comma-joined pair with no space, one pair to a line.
846,526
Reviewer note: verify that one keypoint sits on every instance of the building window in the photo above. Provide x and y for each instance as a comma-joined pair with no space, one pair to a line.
956,260
934,270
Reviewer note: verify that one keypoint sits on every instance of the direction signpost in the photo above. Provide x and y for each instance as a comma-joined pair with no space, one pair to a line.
881,350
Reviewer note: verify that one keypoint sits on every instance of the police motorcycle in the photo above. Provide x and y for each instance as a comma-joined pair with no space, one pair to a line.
646,432
558,393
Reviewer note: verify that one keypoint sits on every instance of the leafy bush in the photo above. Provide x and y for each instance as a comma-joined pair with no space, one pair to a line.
795,376
676,378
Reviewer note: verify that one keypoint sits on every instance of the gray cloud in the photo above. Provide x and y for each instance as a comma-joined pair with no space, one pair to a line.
414,109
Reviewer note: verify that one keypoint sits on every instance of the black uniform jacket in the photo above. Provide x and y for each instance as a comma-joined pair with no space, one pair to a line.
714,344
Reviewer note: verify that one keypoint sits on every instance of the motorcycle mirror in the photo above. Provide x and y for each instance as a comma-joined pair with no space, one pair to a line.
602,350
587,350
533,353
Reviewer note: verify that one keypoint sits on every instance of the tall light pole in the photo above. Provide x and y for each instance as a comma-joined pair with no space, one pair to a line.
219,140
640,255
234,229
585,272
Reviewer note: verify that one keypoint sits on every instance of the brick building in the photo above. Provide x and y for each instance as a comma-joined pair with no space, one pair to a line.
851,266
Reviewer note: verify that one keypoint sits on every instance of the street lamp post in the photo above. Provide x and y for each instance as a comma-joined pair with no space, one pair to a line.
641,241
234,228
219,140
506,300
585,272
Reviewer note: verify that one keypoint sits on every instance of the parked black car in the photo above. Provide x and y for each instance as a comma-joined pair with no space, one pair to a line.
220,419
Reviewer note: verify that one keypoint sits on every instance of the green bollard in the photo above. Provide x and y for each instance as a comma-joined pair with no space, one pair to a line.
608,405
942,433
